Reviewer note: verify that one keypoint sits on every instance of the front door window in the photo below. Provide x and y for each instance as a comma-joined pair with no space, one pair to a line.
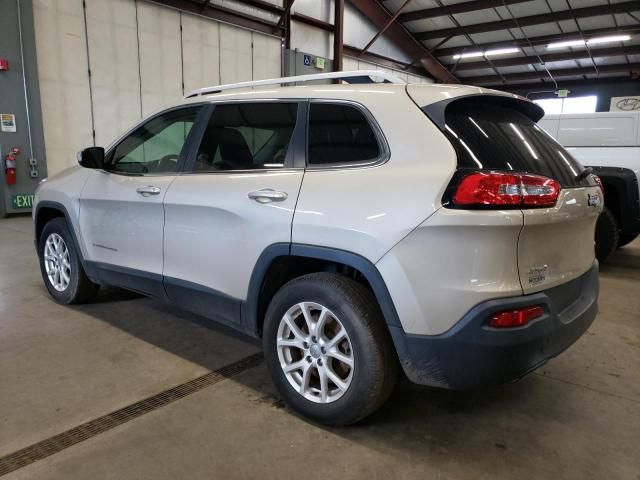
155,146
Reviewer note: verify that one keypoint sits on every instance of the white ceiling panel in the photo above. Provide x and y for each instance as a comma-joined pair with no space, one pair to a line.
564,64
499,36
626,19
393,5
518,82
539,30
428,24
524,9
607,75
585,62
583,3
320,9
516,69
567,25
569,78
604,21
460,41
476,73
479,16
615,60
246,9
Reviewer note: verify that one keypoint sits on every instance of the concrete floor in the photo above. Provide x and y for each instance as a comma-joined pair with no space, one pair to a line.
578,417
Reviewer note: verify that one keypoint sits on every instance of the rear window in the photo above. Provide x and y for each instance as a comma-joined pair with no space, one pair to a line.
494,137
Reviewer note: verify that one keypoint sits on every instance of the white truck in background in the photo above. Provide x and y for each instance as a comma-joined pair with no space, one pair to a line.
609,142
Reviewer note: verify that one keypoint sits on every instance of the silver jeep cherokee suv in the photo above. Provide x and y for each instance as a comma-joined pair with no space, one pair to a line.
356,228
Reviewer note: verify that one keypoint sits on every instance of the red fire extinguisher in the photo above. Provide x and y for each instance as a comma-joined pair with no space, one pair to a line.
10,166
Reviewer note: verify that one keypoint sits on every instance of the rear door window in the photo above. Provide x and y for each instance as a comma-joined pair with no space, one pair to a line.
495,137
247,136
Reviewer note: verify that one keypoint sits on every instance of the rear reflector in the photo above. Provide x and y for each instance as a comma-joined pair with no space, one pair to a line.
515,318
496,189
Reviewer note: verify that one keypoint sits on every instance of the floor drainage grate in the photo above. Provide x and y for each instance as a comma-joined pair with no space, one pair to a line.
57,443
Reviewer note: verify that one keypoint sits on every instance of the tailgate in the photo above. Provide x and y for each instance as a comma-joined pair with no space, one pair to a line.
557,244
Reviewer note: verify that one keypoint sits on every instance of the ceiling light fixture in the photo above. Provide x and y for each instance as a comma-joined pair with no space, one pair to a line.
611,38
487,53
501,51
593,41
567,43
468,55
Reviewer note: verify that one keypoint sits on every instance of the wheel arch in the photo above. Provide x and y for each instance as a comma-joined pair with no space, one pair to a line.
46,211
280,263
621,196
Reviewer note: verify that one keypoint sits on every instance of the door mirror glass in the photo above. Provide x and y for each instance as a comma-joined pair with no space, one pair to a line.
91,157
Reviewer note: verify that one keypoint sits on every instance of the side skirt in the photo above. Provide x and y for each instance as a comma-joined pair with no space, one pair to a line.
189,296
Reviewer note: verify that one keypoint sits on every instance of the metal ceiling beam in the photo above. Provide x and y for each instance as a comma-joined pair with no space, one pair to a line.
542,75
530,20
386,26
262,5
223,14
285,22
278,10
542,39
313,22
455,8
379,16
338,35
552,57
358,54
286,11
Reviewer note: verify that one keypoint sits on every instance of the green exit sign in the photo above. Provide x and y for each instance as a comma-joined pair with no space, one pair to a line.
22,201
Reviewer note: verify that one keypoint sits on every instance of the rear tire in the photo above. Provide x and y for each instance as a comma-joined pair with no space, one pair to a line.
607,235
626,238
60,265
345,305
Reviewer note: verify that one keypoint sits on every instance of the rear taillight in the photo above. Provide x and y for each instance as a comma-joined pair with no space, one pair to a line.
515,318
496,189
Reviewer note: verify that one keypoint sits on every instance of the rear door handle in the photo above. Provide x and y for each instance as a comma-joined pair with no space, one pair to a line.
267,195
148,190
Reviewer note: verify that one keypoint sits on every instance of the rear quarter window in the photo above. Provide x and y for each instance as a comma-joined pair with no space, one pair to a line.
340,134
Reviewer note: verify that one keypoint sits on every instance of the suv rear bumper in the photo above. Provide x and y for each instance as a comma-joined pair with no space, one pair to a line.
472,354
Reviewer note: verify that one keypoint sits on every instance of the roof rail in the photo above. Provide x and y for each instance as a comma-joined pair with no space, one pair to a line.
357,76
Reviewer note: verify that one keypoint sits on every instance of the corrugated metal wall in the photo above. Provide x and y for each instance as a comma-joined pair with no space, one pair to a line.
141,56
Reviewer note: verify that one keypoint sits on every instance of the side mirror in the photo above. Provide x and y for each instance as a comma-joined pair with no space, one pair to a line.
91,157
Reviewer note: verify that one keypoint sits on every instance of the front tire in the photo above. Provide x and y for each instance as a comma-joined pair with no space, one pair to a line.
607,235
328,350
60,265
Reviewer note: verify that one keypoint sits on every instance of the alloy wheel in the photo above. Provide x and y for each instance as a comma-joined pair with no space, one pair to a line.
315,352
57,262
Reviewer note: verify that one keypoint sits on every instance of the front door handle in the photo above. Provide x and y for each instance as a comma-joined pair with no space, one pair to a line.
267,195
148,190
